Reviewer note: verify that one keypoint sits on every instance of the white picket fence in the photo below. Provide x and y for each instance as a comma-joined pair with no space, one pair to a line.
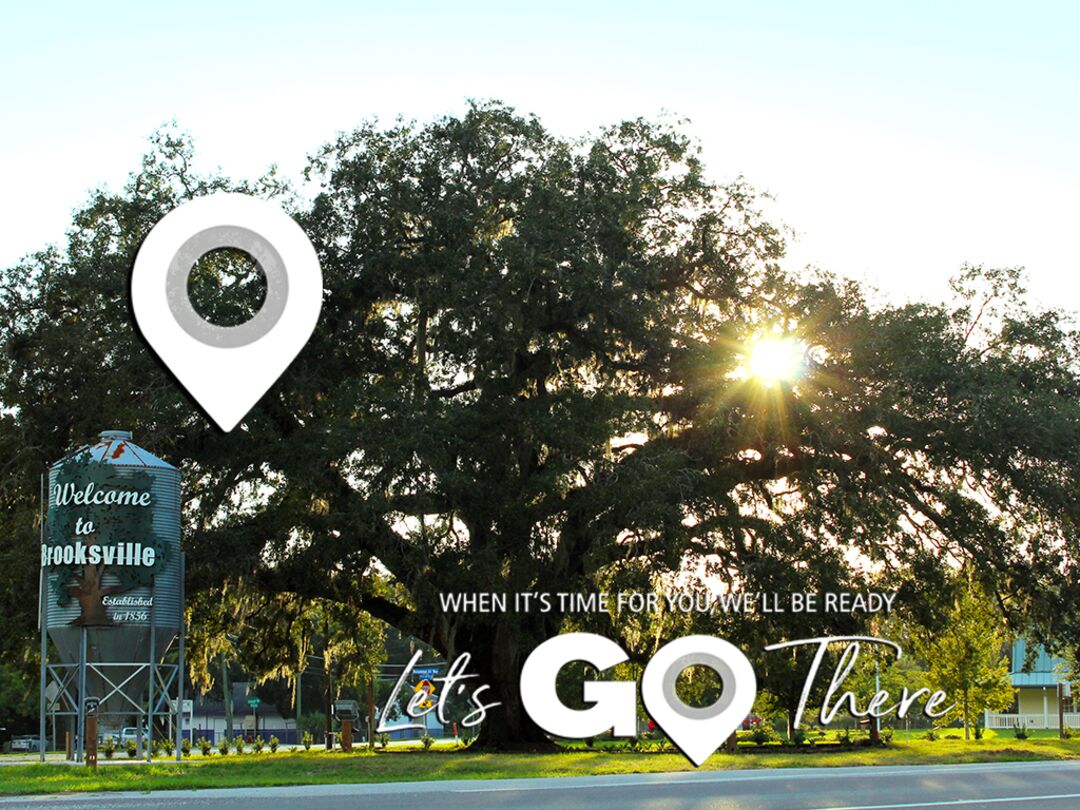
996,720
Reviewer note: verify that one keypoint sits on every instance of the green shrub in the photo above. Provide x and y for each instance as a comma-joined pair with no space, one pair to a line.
238,744
204,745
798,737
384,740
1066,732
108,747
931,735
185,746
155,748
760,734
307,740
168,745
131,749
427,741
223,746
844,736
274,743
1019,732
887,735
257,745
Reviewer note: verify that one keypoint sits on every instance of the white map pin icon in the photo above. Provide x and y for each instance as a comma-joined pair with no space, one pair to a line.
227,369
698,731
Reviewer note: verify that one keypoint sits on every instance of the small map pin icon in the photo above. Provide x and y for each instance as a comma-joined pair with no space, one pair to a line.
227,369
698,731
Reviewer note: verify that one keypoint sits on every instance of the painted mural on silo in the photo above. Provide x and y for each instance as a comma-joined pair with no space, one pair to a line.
112,552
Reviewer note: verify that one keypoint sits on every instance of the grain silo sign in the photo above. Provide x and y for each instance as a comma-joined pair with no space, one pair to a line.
101,540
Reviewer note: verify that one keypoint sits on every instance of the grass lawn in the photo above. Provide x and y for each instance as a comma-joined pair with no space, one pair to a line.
317,767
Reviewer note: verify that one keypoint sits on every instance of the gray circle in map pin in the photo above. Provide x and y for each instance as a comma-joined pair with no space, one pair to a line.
718,665
266,258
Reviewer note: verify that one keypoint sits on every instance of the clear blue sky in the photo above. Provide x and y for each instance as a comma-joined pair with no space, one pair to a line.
900,140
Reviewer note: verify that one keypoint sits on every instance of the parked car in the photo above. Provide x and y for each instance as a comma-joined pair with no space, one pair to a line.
25,742
131,733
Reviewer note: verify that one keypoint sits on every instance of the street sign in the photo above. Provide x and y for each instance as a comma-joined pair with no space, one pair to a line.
187,707
90,705
426,672
254,702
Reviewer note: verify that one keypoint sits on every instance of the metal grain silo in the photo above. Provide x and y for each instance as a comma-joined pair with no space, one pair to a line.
114,571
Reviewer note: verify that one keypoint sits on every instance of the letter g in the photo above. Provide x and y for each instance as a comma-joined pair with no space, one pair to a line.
614,700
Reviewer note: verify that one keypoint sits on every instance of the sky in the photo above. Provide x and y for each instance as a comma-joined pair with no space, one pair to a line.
898,140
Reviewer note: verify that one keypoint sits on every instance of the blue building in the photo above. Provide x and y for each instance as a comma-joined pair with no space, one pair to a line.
1039,689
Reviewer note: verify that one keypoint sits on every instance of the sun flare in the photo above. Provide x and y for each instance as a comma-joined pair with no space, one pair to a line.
775,359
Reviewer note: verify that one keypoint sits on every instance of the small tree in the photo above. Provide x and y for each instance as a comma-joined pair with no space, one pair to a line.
966,657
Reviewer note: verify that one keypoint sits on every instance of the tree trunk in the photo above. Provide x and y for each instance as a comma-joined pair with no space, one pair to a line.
88,591
731,744
967,732
497,656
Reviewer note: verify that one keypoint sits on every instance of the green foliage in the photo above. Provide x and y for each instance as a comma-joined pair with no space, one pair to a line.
384,740
762,733
965,659
238,744
427,741
108,747
1067,732
18,691
224,746
204,746
168,745
131,749
185,746
257,744
307,740
280,631
1019,731
931,735
274,743
312,723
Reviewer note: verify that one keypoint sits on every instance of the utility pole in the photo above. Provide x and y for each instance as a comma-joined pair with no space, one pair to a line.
226,690
371,712
298,701
1061,709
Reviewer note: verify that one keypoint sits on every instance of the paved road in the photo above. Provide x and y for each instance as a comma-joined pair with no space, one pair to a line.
1006,786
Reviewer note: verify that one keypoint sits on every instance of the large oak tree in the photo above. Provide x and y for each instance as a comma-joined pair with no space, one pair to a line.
530,372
